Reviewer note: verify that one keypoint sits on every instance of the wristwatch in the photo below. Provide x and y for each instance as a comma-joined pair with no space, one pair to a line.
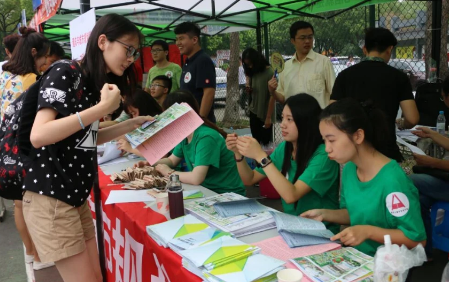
264,162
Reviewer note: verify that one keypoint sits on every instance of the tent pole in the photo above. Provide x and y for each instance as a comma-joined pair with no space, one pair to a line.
259,33
265,41
372,16
84,7
436,33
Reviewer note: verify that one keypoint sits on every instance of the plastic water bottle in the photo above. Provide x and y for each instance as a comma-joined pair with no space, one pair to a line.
441,123
445,277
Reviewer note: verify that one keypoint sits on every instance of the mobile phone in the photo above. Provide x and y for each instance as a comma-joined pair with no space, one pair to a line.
276,73
148,123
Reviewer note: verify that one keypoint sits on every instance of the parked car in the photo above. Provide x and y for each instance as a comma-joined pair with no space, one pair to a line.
415,70
221,79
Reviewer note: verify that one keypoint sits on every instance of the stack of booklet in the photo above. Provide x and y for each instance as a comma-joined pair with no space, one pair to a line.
298,231
343,265
240,225
228,259
162,233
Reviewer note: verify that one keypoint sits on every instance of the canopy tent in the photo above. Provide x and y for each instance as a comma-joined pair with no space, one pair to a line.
158,18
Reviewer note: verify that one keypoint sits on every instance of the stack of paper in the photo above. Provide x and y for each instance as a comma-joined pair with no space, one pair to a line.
343,265
196,239
298,231
220,252
162,233
234,208
240,225
246,270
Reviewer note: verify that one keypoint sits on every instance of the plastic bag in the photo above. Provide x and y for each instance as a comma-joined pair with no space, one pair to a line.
392,263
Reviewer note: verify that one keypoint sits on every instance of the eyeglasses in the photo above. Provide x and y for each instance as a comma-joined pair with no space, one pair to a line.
130,50
157,85
155,51
304,37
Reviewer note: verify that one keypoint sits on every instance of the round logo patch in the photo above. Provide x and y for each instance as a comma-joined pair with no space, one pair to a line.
187,77
169,74
397,204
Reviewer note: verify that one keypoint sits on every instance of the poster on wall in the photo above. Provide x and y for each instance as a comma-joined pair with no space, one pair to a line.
80,29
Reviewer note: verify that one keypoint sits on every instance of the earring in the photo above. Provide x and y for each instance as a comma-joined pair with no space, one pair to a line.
441,99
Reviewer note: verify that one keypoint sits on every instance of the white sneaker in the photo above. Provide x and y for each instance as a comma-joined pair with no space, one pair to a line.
37,265
30,272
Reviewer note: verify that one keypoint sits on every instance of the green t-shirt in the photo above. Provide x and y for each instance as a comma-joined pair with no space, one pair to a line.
321,175
389,200
172,71
208,148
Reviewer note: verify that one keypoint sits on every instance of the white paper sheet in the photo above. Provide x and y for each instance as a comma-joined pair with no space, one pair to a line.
128,196
110,152
115,161
414,149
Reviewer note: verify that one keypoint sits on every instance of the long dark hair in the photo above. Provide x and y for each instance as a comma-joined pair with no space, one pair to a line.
22,61
113,26
184,96
348,116
143,101
257,60
306,112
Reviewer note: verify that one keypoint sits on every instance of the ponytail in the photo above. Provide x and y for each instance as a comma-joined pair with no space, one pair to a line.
348,116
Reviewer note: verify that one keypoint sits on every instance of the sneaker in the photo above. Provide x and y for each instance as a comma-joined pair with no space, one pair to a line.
30,272
37,265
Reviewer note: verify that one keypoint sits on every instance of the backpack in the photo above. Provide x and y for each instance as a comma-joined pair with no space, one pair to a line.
16,150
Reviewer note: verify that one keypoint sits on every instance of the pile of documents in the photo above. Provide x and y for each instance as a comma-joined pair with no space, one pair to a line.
213,254
240,225
298,231
228,259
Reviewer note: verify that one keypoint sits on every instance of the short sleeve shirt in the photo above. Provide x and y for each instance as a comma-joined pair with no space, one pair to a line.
321,175
198,73
12,86
384,85
172,71
208,148
65,90
314,75
389,200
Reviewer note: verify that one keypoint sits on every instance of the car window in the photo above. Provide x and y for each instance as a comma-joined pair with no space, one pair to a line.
219,72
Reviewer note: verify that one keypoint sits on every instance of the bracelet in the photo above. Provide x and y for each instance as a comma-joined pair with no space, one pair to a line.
79,119
239,160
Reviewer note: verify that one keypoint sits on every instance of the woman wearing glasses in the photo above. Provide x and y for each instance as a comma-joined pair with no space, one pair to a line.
159,52
74,96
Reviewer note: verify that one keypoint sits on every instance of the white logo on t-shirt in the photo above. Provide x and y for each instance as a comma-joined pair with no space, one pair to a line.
397,204
53,94
169,74
187,77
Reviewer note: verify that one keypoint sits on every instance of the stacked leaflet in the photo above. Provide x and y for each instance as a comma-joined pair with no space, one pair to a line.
196,239
298,231
239,225
257,267
162,233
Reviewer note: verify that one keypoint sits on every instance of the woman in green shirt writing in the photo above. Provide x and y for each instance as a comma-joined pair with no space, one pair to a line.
377,197
209,163
299,168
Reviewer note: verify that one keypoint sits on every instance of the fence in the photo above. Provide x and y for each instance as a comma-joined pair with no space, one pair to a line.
341,35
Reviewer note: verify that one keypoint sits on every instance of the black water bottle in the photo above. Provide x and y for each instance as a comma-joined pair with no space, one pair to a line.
175,197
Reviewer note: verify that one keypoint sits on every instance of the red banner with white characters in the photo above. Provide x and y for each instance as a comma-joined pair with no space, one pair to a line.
132,255
46,10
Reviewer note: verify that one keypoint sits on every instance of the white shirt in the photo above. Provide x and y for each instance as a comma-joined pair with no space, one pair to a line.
314,76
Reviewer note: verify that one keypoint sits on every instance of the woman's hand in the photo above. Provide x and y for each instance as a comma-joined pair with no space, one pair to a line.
424,160
424,132
164,169
138,121
354,235
124,145
141,164
250,148
231,144
316,214
267,123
